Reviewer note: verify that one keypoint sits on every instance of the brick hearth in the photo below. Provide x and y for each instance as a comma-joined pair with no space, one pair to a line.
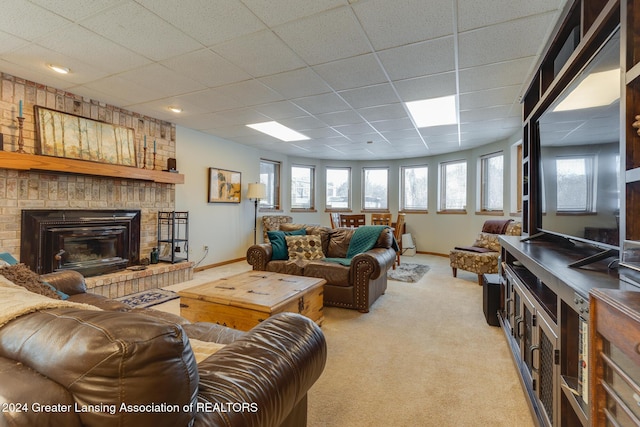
126,282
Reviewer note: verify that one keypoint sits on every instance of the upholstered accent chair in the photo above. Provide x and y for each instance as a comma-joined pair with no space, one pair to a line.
272,223
482,256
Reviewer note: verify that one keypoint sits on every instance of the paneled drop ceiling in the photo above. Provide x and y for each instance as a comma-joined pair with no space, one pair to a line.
337,71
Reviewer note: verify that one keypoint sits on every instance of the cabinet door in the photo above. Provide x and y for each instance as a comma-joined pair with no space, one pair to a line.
546,367
524,330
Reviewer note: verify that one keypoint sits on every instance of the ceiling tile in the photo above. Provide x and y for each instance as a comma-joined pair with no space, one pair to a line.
84,45
249,92
275,12
370,96
297,83
75,10
392,125
433,86
280,110
400,22
487,98
208,21
319,104
383,112
347,117
259,54
163,81
124,23
475,14
29,21
206,67
325,37
495,75
488,44
37,58
357,71
302,123
419,59
355,129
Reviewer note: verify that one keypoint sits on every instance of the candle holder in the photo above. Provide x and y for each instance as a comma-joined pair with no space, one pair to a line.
144,158
20,137
154,160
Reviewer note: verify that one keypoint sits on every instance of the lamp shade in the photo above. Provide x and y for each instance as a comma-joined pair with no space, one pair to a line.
256,191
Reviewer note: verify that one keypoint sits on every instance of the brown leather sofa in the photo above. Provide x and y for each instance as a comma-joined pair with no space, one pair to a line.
355,286
120,366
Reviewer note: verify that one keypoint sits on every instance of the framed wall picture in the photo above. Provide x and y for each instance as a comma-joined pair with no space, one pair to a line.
224,186
70,136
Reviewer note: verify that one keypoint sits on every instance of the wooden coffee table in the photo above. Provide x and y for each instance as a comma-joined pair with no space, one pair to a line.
244,300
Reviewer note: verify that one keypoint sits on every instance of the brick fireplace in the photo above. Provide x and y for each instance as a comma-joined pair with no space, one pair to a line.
26,190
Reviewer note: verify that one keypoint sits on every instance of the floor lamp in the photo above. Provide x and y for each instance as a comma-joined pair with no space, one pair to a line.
256,191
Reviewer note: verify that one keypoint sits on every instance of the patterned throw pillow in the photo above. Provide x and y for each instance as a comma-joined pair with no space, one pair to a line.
304,247
489,241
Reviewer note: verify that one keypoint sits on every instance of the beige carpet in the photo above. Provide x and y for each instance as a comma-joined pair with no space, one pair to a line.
423,356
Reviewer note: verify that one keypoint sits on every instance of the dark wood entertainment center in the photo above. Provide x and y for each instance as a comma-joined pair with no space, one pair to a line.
574,331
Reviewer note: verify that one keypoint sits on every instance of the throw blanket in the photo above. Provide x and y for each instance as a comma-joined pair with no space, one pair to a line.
363,239
16,301
496,226
204,349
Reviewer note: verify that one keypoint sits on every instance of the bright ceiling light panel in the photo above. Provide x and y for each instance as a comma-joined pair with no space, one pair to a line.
279,131
434,112
59,69
596,90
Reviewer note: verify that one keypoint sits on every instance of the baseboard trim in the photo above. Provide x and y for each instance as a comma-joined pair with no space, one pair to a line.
218,264
433,253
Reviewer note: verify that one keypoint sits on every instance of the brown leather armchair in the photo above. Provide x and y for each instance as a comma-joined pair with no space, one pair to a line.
76,367
355,286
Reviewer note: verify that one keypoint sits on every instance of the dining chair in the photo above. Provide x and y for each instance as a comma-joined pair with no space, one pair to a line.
397,232
335,219
352,221
381,219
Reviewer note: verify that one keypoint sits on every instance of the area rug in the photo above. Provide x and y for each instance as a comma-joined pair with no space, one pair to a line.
408,272
148,298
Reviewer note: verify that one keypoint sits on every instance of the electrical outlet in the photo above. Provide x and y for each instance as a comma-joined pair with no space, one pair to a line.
206,247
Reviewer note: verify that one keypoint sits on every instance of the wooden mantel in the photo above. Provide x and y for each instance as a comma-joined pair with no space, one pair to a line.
17,161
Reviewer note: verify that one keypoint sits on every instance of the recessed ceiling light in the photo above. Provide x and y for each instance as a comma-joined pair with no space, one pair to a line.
279,131
58,69
175,109
434,111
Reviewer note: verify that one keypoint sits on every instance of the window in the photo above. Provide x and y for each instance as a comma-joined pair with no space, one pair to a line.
338,194
491,182
270,177
453,186
302,187
575,184
375,183
414,189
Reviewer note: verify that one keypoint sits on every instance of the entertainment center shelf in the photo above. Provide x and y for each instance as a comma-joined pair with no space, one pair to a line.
545,318
25,161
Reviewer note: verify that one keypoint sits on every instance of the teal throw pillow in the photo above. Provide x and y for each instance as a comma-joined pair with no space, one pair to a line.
279,243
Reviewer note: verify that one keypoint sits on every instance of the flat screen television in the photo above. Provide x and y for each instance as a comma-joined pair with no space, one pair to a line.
580,154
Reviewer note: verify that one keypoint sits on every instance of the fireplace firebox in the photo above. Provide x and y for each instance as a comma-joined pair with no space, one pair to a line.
92,242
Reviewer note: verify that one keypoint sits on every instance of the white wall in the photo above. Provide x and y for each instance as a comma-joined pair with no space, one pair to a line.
228,228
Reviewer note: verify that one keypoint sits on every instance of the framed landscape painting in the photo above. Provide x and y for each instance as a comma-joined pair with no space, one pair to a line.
224,186
70,136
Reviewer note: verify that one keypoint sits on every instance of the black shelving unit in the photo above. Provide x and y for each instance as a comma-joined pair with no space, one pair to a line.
173,236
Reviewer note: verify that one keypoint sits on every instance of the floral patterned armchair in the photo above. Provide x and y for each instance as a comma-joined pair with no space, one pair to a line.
272,223
482,256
